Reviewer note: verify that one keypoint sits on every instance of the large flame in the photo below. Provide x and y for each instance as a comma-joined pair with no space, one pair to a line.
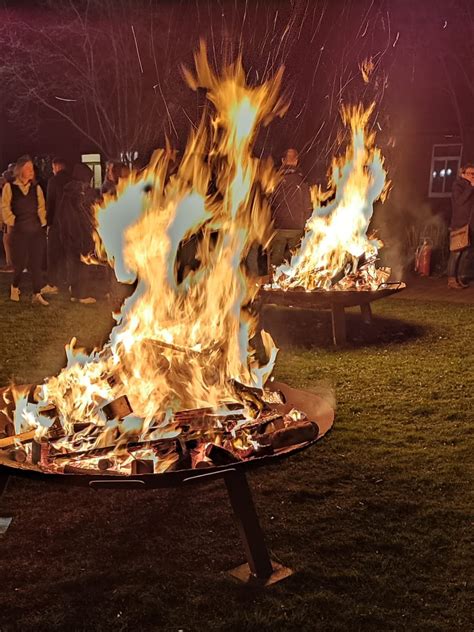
337,230
178,345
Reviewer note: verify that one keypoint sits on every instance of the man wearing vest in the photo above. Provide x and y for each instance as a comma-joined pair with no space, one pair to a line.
24,212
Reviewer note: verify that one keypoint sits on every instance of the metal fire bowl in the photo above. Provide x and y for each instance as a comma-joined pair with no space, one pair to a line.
326,299
316,409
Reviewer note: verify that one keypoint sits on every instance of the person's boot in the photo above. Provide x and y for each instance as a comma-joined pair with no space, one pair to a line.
14,294
50,289
39,300
454,284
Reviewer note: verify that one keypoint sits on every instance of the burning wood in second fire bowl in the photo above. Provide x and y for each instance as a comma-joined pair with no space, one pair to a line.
201,438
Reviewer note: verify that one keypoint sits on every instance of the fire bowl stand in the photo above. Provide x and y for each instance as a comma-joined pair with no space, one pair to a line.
260,570
336,301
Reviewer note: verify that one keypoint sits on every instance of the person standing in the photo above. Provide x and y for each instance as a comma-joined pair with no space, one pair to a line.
7,176
115,171
54,194
462,220
110,181
291,208
75,224
24,213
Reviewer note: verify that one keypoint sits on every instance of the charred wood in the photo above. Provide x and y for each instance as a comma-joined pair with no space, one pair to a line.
104,464
219,455
142,466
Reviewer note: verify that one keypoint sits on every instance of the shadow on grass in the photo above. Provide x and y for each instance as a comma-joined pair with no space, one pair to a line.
295,327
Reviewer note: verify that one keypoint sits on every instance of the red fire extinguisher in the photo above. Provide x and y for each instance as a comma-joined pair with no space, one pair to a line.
423,258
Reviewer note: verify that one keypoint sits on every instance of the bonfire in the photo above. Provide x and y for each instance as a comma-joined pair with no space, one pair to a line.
336,252
177,385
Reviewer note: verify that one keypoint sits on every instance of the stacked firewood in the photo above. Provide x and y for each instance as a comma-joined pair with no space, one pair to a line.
253,426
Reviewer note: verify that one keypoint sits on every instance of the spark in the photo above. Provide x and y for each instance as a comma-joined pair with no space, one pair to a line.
396,40
67,100
136,46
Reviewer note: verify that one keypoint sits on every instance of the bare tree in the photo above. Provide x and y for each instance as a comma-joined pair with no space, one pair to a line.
92,64
111,68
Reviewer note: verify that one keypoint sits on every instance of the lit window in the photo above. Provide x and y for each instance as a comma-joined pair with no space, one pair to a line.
445,164
93,161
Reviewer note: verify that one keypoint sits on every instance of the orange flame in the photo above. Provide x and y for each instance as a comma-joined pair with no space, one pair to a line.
177,345
338,229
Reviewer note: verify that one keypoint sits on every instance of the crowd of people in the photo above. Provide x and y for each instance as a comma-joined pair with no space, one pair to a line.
50,235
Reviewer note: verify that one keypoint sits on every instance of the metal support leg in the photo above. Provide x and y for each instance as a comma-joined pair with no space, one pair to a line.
366,312
5,521
338,325
259,569
3,480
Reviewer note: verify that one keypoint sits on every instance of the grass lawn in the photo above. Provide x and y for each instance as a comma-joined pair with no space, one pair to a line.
376,521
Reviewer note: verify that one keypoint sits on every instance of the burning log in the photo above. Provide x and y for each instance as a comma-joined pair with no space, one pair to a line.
104,464
199,460
251,396
298,432
269,425
183,450
73,469
219,455
19,455
56,430
117,408
7,430
273,397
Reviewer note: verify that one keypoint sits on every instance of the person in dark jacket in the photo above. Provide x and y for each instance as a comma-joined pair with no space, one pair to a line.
7,176
75,223
54,193
291,208
24,213
462,200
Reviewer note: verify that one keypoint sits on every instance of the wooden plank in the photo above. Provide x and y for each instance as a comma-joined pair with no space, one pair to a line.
22,437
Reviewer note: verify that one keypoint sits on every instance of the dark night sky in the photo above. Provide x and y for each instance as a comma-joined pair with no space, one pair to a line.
320,42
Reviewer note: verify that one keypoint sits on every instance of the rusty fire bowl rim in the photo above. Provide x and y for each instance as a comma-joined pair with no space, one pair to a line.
295,297
314,406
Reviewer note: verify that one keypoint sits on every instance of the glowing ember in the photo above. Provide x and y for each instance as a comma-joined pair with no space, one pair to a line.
177,380
336,252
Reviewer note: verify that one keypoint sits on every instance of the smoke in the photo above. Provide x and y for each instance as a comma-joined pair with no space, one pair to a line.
325,390
403,225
